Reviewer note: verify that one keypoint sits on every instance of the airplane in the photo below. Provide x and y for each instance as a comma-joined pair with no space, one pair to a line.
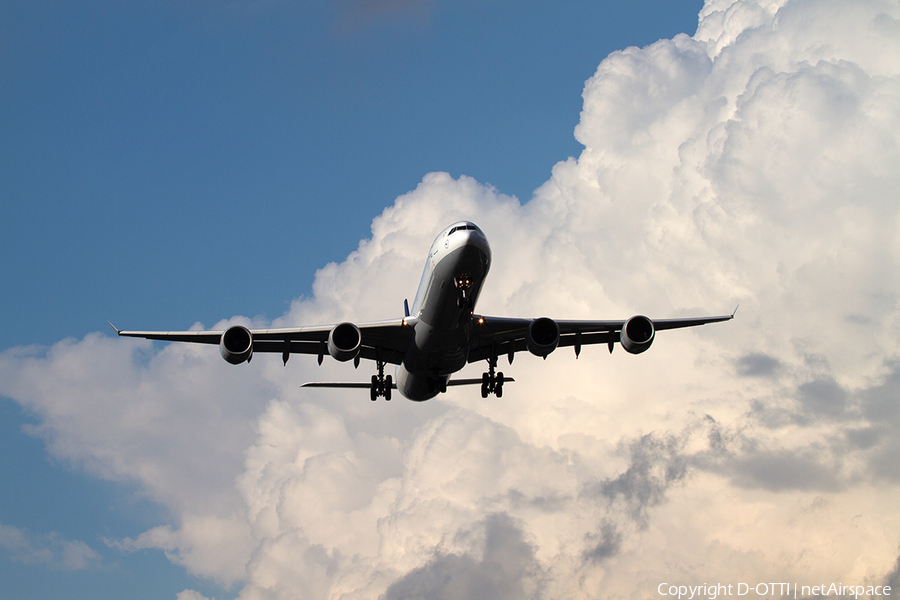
439,335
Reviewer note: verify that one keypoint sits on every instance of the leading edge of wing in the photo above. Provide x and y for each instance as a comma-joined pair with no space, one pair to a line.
197,337
506,328
391,335
314,333
664,324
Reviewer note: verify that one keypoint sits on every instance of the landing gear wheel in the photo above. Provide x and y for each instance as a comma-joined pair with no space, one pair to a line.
388,384
492,383
373,391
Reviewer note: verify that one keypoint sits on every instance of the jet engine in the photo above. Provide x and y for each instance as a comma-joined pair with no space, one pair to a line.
344,342
236,345
637,334
542,337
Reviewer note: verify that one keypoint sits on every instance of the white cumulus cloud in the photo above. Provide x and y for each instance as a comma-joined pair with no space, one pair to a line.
753,163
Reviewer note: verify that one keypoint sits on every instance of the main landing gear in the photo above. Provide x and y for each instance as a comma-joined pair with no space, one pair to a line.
381,384
492,383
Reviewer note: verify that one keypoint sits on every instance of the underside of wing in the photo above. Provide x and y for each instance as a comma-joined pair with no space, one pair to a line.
384,341
499,336
353,385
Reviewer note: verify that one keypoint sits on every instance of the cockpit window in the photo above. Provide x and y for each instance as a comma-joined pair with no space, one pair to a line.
462,228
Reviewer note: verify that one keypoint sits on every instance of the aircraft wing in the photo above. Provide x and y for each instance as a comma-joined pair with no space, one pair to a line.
384,340
498,336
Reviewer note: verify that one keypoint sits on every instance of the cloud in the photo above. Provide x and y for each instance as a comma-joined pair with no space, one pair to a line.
190,595
49,550
655,464
505,568
758,364
752,163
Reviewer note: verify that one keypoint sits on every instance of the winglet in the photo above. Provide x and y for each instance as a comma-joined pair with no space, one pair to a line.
735,310
406,307
114,328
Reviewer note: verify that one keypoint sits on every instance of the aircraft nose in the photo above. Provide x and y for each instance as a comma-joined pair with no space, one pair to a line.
477,237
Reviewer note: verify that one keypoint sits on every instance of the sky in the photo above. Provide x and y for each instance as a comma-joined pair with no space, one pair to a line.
275,164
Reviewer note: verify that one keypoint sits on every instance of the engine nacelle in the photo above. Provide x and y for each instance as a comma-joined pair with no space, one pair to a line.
637,334
236,345
542,337
344,342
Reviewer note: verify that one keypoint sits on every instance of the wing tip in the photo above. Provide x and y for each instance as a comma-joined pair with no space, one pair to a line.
114,327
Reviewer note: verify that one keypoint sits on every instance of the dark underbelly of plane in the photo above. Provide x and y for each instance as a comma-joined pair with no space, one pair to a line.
438,351
441,344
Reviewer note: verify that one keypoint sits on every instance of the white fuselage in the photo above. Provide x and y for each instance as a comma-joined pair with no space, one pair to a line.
458,262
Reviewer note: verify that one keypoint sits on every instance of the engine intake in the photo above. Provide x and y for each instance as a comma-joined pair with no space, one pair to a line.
344,342
542,337
637,334
236,345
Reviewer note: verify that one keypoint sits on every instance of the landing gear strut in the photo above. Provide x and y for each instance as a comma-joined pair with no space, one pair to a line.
492,383
381,384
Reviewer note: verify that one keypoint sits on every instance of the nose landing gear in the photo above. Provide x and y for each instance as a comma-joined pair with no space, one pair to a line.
463,282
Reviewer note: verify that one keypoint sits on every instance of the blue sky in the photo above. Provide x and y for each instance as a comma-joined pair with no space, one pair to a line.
164,163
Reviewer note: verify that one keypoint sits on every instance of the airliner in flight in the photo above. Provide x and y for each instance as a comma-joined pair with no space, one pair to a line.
439,335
